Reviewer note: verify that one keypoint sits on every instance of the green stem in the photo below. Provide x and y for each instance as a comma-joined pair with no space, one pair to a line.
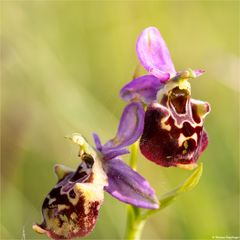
133,155
135,231
134,222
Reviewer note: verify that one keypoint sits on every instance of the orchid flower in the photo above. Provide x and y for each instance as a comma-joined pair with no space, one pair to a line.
71,207
173,132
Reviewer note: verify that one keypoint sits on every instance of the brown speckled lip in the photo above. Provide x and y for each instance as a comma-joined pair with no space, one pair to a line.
67,212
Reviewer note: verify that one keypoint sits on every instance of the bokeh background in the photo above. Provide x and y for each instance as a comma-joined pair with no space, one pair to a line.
62,66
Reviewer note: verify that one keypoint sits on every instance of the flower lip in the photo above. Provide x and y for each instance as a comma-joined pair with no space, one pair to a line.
174,136
71,207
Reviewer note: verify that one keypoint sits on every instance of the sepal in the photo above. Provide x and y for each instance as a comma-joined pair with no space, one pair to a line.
129,186
143,89
154,55
130,127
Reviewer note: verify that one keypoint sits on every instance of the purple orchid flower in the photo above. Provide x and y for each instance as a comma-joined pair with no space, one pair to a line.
71,207
173,132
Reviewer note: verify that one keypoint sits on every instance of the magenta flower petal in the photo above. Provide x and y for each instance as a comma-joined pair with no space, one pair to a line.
153,54
143,89
128,186
130,127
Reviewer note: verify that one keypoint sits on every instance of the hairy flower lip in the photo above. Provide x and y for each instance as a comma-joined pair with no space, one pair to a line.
71,208
166,143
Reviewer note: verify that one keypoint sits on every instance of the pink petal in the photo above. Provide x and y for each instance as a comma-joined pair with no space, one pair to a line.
153,54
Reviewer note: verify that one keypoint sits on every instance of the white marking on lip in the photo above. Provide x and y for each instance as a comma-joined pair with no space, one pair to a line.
182,139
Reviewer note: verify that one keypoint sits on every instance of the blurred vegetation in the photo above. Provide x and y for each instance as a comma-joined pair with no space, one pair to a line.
62,65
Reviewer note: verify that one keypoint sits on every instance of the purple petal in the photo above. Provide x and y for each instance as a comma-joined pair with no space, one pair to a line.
153,54
108,155
144,89
130,127
162,76
128,186
97,142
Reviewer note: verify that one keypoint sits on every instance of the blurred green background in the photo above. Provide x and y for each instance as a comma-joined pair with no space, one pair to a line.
62,66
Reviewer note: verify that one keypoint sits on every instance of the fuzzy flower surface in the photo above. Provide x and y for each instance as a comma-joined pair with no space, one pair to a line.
71,208
173,133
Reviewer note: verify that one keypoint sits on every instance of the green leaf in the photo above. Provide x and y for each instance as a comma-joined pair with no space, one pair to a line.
167,198
190,183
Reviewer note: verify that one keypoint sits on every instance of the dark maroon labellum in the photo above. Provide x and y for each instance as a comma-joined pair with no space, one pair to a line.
71,207
173,130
